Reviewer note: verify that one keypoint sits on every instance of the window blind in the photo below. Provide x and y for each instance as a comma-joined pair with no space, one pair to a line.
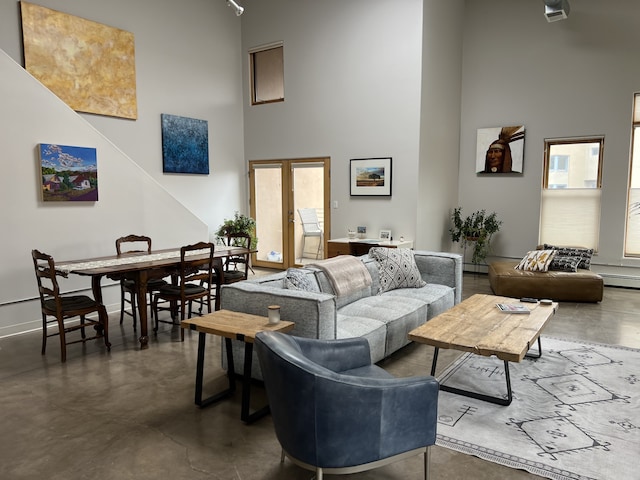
570,217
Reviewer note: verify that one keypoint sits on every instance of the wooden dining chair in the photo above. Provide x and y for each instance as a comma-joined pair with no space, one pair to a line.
135,244
64,308
195,284
236,267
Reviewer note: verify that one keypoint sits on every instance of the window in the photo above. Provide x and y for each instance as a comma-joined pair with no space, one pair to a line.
632,236
559,163
267,74
570,209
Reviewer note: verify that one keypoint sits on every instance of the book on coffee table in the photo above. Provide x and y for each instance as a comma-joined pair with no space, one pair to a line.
512,308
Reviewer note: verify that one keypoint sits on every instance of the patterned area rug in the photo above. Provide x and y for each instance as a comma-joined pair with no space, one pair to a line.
575,412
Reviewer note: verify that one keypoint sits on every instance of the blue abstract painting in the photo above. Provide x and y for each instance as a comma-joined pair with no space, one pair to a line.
185,145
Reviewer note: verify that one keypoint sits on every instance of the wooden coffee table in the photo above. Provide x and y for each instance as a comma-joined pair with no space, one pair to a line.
232,326
476,325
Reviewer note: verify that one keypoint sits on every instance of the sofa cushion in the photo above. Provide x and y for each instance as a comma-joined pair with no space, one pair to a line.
301,279
372,266
584,254
439,298
536,260
373,330
396,268
562,263
400,314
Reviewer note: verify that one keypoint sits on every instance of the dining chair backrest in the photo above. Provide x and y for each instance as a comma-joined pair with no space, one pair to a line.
239,240
196,270
48,287
137,242
242,260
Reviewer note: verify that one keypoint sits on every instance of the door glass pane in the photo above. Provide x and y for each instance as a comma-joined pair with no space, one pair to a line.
268,202
308,193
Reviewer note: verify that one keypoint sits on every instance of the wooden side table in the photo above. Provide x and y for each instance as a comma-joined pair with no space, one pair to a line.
231,326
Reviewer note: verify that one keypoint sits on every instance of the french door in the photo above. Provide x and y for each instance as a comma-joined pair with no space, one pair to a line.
278,189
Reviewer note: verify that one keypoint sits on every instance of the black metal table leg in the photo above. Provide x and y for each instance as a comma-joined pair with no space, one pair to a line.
245,416
434,361
529,355
200,373
476,395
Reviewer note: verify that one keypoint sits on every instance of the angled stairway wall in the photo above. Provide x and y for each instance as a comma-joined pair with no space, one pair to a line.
130,200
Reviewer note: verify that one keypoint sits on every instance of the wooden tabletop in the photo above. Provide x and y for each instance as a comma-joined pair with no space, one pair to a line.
136,264
476,325
235,325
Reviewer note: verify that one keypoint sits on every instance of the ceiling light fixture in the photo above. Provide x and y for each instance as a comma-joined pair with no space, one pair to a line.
555,10
236,8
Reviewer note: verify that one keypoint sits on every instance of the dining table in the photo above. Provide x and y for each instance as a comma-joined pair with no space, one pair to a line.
141,267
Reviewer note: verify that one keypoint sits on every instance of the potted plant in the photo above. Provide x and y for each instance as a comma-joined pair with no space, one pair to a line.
239,224
477,228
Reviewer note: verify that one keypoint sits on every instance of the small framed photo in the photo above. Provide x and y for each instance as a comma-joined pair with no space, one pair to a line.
370,177
385,235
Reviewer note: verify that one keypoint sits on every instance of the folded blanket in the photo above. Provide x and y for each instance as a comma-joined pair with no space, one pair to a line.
346,273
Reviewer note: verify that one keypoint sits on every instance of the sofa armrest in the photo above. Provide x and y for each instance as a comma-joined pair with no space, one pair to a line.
314,313
442,268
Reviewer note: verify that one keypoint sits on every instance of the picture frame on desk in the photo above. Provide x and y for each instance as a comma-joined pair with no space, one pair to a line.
385,235
370,177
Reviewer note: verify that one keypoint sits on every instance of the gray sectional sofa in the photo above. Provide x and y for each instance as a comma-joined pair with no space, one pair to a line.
307,297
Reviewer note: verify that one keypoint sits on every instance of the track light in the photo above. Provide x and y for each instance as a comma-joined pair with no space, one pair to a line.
236,8
555,10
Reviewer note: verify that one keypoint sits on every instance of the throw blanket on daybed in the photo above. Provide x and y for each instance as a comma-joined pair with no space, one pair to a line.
346,273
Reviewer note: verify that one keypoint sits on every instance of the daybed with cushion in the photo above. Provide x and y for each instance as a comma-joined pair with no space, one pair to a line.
558,273
381,296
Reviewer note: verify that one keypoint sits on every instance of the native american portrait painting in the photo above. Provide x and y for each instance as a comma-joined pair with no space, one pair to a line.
500,150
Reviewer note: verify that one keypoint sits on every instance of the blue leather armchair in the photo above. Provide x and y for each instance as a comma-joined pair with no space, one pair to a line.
335,412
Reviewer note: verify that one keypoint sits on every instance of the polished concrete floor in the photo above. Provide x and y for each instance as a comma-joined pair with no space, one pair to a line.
130,414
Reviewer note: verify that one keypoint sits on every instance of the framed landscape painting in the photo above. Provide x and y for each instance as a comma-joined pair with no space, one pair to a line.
371,177
69,174
185,145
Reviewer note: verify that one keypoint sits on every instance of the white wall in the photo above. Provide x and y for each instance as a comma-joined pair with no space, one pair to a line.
574,77
440,121
352,90
188,63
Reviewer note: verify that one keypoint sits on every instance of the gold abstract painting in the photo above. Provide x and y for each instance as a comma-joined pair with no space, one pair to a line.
90,66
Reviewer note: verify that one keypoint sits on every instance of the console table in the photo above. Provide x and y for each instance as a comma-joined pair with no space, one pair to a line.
360,246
